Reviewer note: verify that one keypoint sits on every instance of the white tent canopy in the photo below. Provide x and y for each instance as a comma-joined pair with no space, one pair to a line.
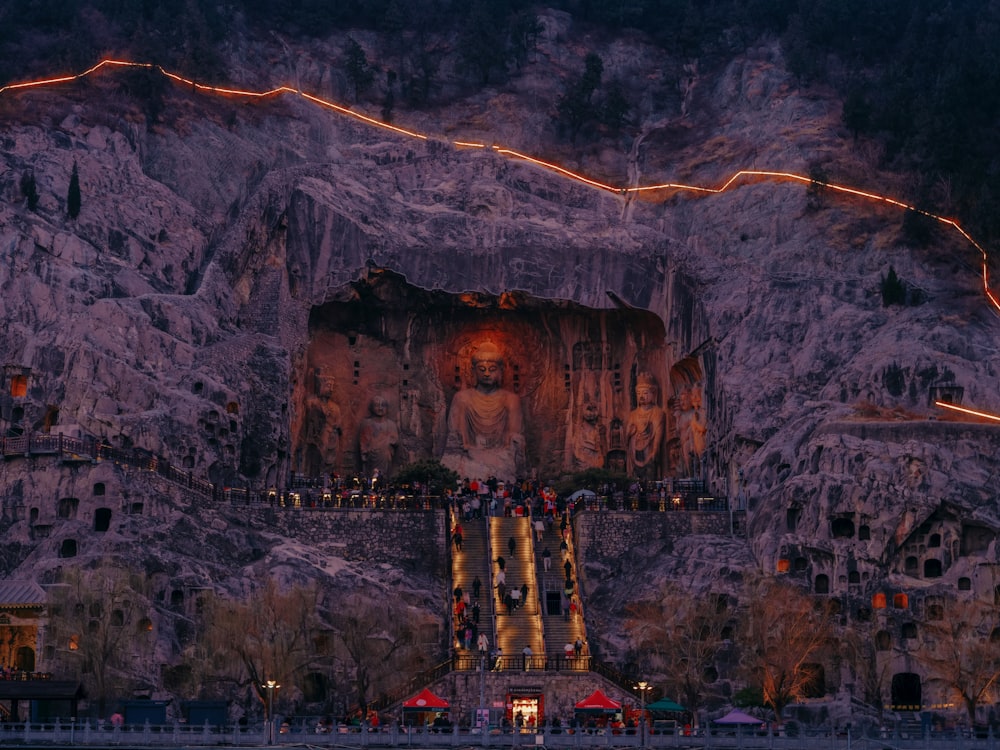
738,717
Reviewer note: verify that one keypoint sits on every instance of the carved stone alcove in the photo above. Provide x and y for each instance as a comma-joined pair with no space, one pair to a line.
574,370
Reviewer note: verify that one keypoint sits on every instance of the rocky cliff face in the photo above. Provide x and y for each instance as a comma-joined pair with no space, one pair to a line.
180,312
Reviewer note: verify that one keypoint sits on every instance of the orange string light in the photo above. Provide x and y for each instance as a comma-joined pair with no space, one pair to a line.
550,166
964,410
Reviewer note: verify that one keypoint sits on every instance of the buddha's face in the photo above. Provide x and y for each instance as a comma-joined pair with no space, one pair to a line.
488,373
379,407
645,396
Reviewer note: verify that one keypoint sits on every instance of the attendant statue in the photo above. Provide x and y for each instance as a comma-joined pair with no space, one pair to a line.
320,449
485,423
645,429
377,439
692,429
589,442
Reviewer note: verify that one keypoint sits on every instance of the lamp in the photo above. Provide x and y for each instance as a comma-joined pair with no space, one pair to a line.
270,686
643,687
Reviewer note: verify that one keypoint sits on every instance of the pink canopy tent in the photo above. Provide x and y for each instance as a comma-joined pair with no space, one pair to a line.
738,717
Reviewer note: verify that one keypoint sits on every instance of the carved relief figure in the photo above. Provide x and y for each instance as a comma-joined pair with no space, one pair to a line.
377,439
589,443
645,429
691,428
486,423
321,430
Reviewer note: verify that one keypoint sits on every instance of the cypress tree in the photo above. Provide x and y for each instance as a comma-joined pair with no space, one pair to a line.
73,197
29,189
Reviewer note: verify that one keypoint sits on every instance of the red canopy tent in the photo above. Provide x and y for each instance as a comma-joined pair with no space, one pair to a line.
598,702
425,700
425,708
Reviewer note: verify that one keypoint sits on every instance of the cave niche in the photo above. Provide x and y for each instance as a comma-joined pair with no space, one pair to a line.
382,338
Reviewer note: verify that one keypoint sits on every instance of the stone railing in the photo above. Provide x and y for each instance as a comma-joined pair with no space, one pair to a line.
94,733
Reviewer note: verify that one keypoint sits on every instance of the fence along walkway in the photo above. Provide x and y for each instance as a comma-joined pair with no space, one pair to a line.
303,492
91,733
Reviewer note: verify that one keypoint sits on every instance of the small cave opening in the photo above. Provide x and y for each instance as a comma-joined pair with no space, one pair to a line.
906,692
842,528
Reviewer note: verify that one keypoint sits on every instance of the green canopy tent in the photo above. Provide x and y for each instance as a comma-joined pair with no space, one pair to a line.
665,706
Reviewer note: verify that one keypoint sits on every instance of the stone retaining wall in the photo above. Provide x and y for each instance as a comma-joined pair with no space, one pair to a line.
397,537
602,534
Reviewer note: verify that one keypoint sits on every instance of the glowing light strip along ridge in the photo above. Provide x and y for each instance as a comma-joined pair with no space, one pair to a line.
550,166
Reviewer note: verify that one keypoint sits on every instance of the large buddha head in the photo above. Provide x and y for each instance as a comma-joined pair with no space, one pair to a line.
487,365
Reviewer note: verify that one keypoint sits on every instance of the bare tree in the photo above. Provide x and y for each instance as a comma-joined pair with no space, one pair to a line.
683,636
870,671
965,653
266,636
378,643
99,624
784,638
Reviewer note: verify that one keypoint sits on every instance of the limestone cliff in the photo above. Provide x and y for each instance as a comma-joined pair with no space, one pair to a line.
230,257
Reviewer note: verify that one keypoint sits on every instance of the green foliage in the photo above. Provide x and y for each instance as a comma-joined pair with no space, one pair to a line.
359,72
749,697
816,192
615,109
524,31
893,289
857,110
894,380
148,87
389,103
483,41
918,227
428,471
575,107
29,189
921,78
73,195
590,479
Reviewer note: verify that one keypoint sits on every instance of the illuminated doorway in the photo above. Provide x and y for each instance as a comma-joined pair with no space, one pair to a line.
526,710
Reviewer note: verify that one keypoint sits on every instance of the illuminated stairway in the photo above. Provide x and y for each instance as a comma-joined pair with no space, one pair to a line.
557,629
523,627
472,561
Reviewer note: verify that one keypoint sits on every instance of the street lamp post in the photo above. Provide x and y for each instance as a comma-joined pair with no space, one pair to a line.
643,687
484,727
270,686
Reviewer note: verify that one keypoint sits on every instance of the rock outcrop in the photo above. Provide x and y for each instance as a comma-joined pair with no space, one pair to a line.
183,313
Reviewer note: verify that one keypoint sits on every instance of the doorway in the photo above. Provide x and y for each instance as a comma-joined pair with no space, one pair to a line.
526,711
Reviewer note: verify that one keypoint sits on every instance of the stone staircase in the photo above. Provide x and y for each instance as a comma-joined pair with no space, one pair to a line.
522,627
474,560
559,626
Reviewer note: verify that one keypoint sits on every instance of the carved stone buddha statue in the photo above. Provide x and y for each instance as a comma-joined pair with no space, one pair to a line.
486,423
